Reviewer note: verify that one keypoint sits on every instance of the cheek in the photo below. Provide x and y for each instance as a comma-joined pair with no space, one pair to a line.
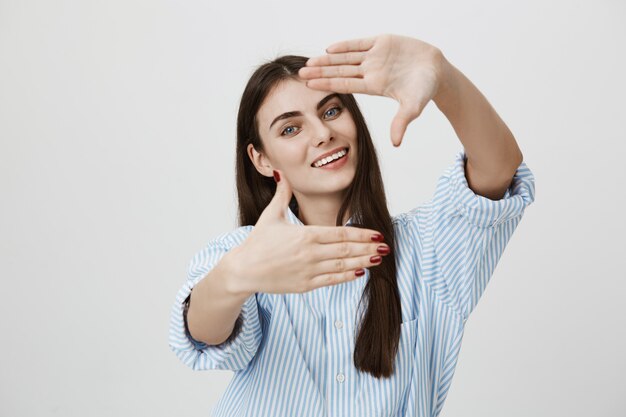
293,157
348,129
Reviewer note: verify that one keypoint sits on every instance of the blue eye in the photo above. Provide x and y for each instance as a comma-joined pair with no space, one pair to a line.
338,108
288,127
334,108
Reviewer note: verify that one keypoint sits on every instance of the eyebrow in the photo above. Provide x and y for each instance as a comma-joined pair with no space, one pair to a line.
289,114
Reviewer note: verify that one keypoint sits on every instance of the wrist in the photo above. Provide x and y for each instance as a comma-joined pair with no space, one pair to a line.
446,89
235,279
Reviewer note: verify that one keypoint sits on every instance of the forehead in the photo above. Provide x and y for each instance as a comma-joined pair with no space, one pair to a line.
289,95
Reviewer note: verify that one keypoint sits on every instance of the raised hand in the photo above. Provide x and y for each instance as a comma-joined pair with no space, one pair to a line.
405,69
280,257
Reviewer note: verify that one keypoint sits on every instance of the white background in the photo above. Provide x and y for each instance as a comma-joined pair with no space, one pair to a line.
117,139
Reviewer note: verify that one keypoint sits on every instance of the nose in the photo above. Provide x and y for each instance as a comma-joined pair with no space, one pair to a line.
321,133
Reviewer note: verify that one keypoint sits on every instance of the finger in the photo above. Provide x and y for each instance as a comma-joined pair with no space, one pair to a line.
344,250
351,58
277,206
339,265
335,234
341,71
398,128
401,121
361,44
326,280
334,271
339,85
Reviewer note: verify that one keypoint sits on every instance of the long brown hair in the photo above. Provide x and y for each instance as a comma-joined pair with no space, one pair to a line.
379,331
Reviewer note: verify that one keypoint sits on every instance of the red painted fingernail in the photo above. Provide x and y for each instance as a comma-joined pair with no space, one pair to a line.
376,259
378,237
276,176
359,272
383,250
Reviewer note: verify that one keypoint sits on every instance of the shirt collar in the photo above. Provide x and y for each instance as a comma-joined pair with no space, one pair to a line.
295,220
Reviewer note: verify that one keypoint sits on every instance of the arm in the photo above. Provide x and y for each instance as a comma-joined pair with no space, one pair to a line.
240,348
213,306
413,72
492,152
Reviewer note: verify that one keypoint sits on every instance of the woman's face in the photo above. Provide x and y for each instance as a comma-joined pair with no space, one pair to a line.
293,143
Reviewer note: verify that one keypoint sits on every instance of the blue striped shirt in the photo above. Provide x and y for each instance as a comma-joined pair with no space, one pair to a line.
293,354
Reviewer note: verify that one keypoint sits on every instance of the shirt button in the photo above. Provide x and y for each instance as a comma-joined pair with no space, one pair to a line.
339,324
340,377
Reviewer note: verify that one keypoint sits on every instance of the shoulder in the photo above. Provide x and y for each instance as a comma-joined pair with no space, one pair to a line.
409,230
231,238
411,221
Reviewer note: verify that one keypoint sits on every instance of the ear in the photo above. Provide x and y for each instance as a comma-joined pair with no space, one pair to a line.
260,161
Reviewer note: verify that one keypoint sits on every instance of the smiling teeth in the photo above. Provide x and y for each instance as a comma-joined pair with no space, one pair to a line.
331,158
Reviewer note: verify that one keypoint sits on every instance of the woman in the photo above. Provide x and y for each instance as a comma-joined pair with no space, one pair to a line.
302,307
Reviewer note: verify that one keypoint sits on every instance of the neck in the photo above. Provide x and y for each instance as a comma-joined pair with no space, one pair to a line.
320,210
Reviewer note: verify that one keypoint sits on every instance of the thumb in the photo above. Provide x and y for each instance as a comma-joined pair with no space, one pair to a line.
282,197
405,115
399,124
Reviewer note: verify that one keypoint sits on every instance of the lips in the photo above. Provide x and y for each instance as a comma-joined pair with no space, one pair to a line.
327,154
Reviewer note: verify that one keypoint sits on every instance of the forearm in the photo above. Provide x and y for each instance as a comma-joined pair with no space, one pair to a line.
492,152
213,306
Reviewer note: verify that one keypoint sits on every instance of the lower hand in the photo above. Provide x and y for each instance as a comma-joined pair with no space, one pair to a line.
280,257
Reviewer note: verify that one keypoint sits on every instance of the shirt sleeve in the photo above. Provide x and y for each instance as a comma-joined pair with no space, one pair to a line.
465,233
238,350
